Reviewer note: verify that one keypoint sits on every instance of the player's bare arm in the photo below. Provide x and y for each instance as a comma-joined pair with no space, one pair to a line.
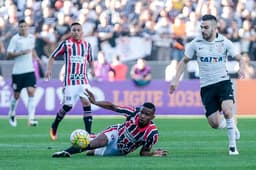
92,69
34,55
158,152
49,68
104,104
180,70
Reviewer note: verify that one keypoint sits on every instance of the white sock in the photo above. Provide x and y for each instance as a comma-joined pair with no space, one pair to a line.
231,132
13,105
31,108
222,124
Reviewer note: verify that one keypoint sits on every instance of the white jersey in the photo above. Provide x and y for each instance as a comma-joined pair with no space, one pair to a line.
211,58
23,63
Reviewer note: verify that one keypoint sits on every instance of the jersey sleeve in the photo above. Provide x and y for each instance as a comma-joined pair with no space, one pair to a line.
231,49
59,50
190,49
152,137
11,46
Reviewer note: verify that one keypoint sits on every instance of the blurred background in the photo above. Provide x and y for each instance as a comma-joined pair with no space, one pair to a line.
127,36
155,30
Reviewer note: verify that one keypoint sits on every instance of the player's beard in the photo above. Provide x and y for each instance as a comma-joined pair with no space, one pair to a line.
207,36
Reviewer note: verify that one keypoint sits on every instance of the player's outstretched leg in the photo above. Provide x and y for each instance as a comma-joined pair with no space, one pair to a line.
60,115
12,114
61,154
232,136
68,152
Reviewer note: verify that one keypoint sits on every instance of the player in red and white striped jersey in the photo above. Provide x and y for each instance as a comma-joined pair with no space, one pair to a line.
77,55
121,139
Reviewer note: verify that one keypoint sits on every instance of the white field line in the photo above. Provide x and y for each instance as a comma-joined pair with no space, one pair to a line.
120,116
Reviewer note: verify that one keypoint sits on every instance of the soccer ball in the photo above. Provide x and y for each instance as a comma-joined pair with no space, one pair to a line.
80,138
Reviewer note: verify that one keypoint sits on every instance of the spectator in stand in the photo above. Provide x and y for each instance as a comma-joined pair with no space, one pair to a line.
249,70
104,31
179,35
47,35
101,67
247,36
132,15
234,35
192,27
222,28
162,39
2,51
170,71
141,73
1,76
120,69
62,28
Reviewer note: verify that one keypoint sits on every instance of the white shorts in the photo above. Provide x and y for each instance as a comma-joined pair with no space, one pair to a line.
73,92
111,148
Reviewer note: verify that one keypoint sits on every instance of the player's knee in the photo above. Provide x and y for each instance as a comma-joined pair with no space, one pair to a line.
228,114
213,124
67,108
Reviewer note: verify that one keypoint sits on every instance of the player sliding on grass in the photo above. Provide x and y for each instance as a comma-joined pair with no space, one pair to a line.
211,50
121,139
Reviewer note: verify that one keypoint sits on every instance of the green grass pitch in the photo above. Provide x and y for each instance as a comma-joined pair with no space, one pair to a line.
191,143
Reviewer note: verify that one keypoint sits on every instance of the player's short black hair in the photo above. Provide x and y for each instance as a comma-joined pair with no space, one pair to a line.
21,21
209,17
75,23
150,106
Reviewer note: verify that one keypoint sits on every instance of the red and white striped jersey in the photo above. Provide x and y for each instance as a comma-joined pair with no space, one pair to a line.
130,135
77,54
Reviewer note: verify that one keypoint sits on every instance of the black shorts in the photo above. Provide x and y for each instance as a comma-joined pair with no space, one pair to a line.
213,95
20,81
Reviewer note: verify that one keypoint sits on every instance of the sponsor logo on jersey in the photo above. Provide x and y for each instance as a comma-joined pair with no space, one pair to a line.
211,59
77,59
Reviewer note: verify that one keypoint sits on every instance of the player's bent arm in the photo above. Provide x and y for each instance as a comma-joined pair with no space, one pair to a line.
106,105
145,151
181,68
11,55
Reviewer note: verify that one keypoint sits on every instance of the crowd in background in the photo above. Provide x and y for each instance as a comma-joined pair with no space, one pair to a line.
168,24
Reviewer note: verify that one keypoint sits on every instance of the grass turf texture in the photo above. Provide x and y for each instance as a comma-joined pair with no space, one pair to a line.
191,143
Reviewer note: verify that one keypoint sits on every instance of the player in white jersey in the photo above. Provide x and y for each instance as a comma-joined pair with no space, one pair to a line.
211,50
21,50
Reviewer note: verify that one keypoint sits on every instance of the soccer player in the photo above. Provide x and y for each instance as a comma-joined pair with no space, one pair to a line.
21,50
121,139
77,55
211,50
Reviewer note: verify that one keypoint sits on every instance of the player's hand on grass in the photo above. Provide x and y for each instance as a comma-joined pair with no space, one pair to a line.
160,152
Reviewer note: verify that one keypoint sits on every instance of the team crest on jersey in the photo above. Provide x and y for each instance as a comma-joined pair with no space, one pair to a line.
69,44
219,47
